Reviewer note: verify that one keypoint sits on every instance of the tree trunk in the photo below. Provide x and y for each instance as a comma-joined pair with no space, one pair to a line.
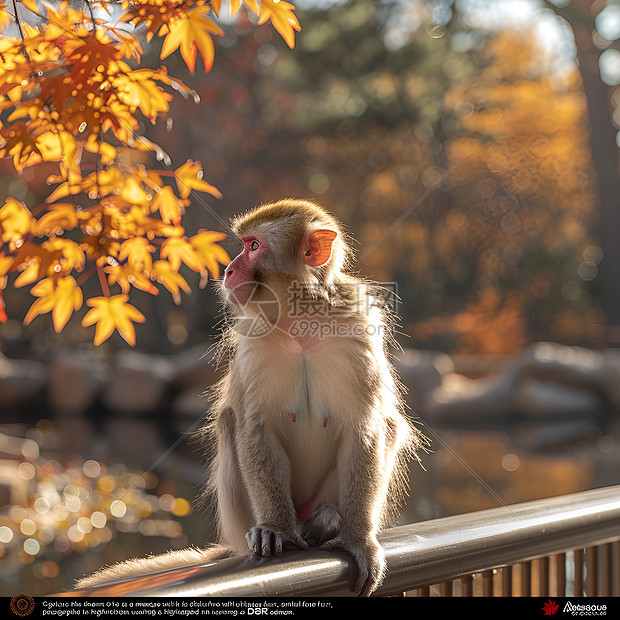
604,159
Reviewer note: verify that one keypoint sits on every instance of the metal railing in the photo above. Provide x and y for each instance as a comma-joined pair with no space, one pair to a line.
561,546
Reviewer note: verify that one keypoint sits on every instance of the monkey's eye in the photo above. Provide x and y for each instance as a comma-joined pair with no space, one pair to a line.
254,245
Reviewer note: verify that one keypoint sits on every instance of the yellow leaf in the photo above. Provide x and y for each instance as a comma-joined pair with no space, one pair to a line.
60,217
191,34
126,276
282,18
60,295
253,6
5,20
58,146
15,222
189,177
235,5
169,206
137,251
68,255
172,280
211,254
179,250
106,152
31,5
110,313
138,89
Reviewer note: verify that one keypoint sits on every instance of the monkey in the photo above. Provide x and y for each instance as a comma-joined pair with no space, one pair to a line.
311,441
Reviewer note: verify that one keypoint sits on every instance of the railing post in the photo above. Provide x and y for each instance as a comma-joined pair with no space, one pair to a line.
467,585
578,585
526,579
487,583
543,576
559,562
606,570
446,588
591,571
507,581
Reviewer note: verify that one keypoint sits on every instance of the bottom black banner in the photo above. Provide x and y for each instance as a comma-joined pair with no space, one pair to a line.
25,606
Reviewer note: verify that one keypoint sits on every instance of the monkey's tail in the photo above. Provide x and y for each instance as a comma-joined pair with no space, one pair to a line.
138,567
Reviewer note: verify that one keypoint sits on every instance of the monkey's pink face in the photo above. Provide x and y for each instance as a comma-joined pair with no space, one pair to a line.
240,274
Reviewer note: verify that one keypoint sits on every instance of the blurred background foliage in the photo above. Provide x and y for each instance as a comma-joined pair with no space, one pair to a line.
453,138
470,147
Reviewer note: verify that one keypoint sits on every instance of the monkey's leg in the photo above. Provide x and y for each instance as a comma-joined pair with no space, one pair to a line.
323,524
266,472
364,475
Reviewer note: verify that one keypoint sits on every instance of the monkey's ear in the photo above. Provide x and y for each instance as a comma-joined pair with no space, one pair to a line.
318,248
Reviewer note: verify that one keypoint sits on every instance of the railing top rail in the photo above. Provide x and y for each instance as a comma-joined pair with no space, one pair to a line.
417,554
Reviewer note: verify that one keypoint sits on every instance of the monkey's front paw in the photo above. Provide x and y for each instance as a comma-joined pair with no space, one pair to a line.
265,541
370,561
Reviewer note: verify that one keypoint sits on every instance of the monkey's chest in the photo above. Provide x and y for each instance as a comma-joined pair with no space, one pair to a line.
310,406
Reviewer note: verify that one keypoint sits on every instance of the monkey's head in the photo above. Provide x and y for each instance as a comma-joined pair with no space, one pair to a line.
289,240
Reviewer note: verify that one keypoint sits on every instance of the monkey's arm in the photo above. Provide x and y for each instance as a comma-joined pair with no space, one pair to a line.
265,469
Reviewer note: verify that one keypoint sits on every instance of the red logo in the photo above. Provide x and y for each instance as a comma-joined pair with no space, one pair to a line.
550,607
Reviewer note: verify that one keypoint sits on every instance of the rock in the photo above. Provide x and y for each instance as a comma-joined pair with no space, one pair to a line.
610,377
541,398
138,383
21,382
573,366
421,372
460,398
74,382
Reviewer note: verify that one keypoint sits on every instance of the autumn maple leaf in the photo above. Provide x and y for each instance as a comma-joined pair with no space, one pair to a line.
171,279
204,244
282,18
61,296
110,313
191,33
15,222
179,250
189,177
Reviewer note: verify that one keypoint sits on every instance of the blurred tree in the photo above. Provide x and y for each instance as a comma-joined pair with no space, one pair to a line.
597,35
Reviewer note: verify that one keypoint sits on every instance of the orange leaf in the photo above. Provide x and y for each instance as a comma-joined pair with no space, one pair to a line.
31,5
172,280
137,251
15,222
60,217
191,34
178,250
282,18
126,276
60,295
110,313
169,206
211,254
189,177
